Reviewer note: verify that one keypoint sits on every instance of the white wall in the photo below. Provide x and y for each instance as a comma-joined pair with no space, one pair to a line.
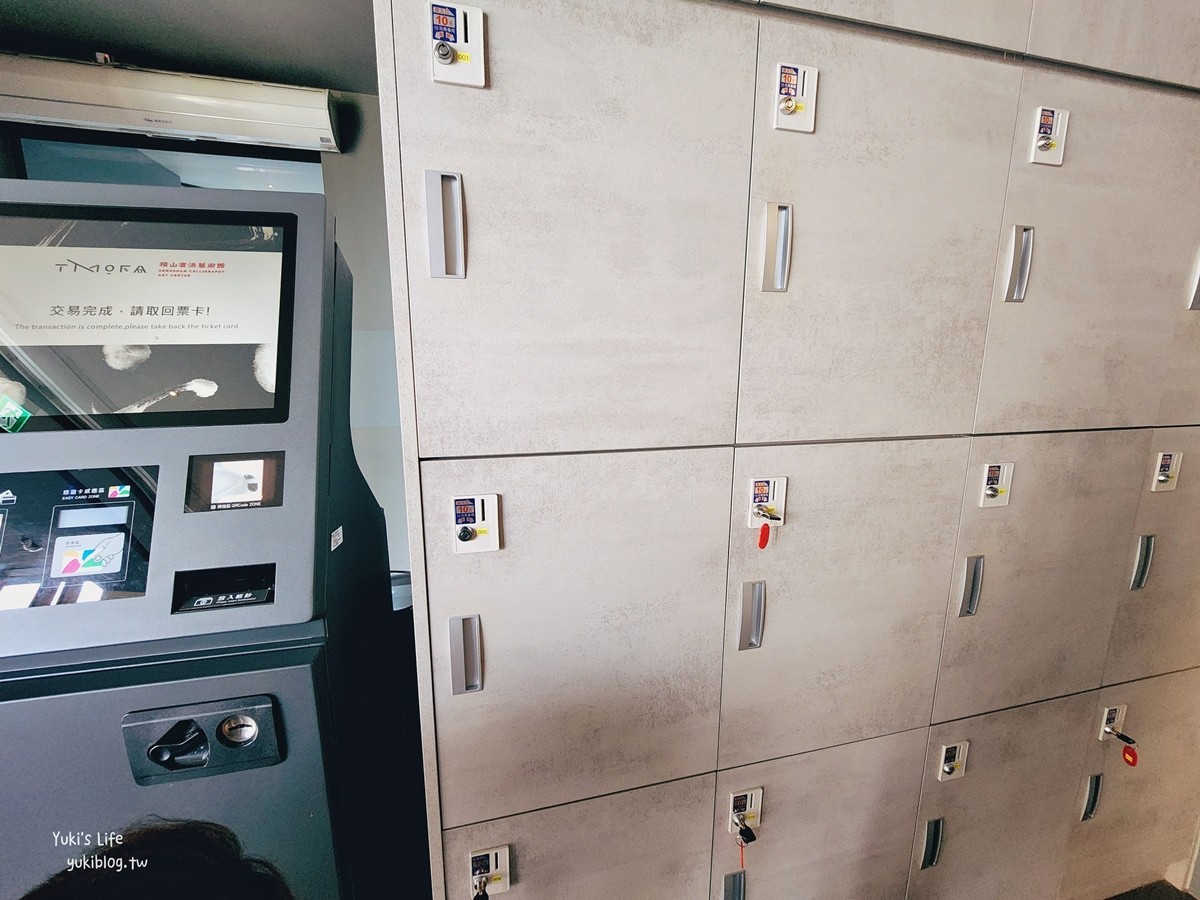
354,187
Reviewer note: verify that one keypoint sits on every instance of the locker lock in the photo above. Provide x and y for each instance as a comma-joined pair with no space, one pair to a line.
746,834
787,105
1163,479
238,731
1045,142
184,746
992,492
466,533
443,53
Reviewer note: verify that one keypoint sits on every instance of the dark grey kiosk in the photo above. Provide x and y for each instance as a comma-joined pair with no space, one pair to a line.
195,613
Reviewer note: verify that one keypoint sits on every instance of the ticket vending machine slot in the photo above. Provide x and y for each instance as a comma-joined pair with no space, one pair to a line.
208,589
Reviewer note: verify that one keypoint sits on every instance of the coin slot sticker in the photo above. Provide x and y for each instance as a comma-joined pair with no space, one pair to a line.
464,511
445,24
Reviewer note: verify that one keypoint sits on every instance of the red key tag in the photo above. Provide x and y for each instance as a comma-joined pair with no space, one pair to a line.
764,535
1129,754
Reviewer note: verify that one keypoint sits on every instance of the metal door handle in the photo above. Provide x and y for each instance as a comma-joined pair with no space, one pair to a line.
972,586
444,213
1022,259
933,843
734,886
777,249
1095,783
466,661
1141,568
750,636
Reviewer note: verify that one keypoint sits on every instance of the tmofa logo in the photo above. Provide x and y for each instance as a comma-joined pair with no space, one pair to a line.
100,268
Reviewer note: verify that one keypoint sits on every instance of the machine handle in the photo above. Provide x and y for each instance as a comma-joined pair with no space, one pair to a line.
753,613
1022,259
444,213
1095,783
972,586
777,248
933,843
1141,568
466,662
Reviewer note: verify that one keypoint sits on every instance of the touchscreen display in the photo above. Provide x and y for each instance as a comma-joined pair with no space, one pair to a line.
174,318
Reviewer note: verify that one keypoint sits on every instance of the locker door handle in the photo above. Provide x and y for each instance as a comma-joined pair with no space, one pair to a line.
466,661
1194,303
1095,783
444,214
777,248
933,843
754,600
1141,568
972,586
734,886
1022,259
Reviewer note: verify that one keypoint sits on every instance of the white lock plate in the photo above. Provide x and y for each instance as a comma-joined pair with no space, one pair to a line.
748,804
493,865
460,29
1113,716
795,98
997,480
1049,126
480,515
771,495
1166,472
954,759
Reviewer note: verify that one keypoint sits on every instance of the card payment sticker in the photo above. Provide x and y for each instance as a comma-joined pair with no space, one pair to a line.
88,554
445,24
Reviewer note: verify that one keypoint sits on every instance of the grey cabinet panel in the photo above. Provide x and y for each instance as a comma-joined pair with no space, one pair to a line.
64,767
881,329
605,171
1151,38
1056,564
1157,628
1103,337
1145,824
995,23
652,842
836,823
601,625
855,586
1006,821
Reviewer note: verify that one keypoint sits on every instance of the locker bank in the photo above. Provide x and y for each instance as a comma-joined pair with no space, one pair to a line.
786,411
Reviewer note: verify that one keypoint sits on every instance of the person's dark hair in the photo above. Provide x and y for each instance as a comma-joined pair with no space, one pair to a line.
183,860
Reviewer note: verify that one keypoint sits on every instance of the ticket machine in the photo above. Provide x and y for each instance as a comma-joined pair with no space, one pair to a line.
195,609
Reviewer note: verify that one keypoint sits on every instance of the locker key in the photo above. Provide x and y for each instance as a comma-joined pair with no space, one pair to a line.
762,512
764,535
481,888
1129,754
745,833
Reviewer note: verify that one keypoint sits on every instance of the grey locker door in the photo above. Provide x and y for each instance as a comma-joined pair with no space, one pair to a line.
64,767
1005,822
1154,40
895,198
854,587
604,175
836,823
1157,628
652,842
1103,336
601,621
996,23
1056,563
1144,827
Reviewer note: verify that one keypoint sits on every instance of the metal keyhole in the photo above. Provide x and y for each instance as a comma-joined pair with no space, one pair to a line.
1045,143
787,106
238,731
443,53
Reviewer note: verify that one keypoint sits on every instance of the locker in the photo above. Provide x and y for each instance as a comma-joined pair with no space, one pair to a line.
1103,336
600,621
894,199
836,822
1043,574
1144,827
1005,822
652,842
853,596
1153,40
600,307
996,23
1157,627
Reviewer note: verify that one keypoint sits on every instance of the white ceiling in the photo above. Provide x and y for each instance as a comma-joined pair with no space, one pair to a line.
315,43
